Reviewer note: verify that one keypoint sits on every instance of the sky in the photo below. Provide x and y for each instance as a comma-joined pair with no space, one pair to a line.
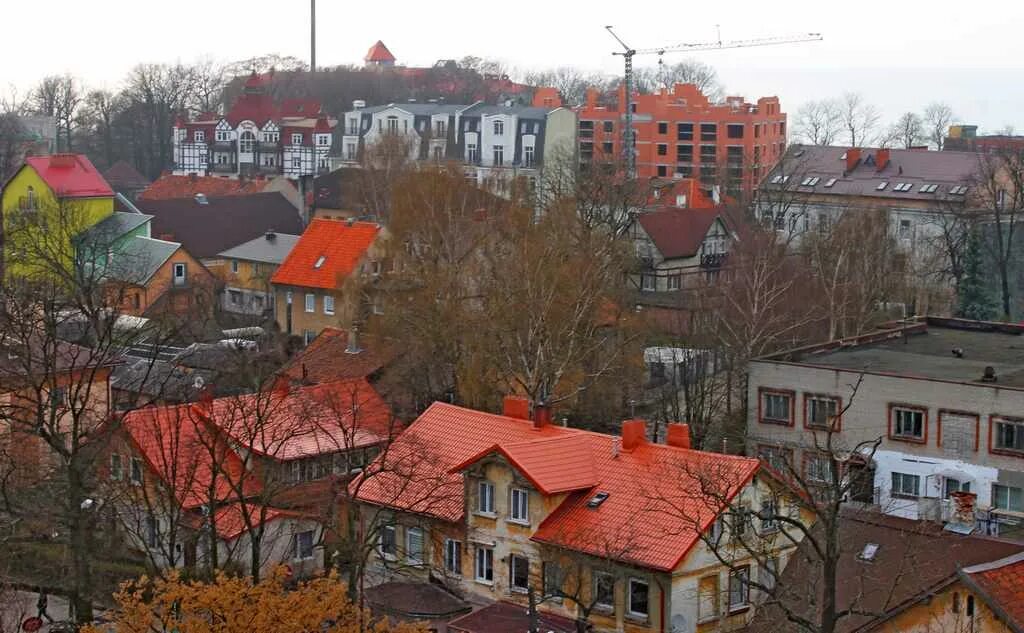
899,55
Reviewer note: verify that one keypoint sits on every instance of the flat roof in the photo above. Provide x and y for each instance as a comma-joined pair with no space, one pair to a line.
925,350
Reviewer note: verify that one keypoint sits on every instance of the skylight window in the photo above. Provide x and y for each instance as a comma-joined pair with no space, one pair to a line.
869,552
958,190
777,180
320,262
927,188
810,182
597,499
903,186
830,182
881,186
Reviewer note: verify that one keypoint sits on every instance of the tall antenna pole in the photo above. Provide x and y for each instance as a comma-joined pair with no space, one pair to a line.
312,36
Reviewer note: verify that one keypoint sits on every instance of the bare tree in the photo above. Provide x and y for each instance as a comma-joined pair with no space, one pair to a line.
907,132
689,71
859,119
936,121
571,82
818,122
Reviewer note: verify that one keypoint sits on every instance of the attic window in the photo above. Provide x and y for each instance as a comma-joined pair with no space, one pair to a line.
597,499
777,180
869,552
927,188
830,182
882,185
320,262
903,186
810,182
958,190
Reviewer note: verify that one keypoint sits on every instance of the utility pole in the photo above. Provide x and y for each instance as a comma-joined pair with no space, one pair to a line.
312,37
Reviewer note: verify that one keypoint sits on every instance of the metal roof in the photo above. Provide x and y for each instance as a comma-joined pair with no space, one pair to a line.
263,249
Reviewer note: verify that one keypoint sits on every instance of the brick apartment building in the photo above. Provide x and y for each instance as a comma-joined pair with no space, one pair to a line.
682,134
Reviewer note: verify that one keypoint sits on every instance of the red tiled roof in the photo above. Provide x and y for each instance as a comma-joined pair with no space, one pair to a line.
171,187
379,53
326,359
557,464
70,176
678,232
305,421
230,521
305,108
634,524
340,244
185,453
1002,584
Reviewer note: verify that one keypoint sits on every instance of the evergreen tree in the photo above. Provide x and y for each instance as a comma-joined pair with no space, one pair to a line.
974,300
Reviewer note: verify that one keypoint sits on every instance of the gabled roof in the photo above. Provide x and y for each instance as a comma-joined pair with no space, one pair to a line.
678,232
326,253
304,421
187,454
136,260
327,359
553,465
122,175
167,187
70,176
230,520
379,53
271,248
205,230
112,227
630,525
1001,585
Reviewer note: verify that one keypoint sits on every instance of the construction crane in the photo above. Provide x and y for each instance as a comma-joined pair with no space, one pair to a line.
628,52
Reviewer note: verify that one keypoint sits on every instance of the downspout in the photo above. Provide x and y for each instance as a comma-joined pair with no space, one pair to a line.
661,591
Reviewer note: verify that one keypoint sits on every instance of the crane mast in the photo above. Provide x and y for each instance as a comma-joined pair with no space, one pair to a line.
629,52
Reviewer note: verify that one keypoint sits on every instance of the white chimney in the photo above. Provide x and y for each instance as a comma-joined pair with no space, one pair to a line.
358,104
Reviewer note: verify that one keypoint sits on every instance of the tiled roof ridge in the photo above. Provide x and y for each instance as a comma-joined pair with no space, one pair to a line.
1013,559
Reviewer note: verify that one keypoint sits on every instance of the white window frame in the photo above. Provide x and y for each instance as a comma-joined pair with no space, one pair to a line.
234,266
310,303
483,565
485,498
299,545
184,273
675,282
1002,496
499,127
498,155
900,487
296,138
629,598
296,162
898,422
529,156
410,535
741,576
328,304
453,556
648,283
519,506
199,136
604,606
1017,426
513,577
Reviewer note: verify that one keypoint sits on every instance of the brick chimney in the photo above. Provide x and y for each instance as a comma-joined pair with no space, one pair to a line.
963,507
881,158
516,407
852,158
678,435
541,415
282,385
634,433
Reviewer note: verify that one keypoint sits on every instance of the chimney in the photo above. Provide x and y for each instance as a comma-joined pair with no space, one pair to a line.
634,433
616,446
541,415
852,158
963,508
678,435
270,235
516,407
358,104
282,385
881,158
206,397
353,341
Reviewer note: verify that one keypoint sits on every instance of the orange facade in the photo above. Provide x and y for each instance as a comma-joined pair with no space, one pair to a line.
682,134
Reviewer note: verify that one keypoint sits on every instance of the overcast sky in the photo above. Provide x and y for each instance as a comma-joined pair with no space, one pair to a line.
900,55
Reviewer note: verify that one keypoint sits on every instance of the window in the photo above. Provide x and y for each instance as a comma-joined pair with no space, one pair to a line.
808,182
136,474
969,610
662,171
440,128
528,156
609,127
453,556
684,131
297,139
180,274
708,131
353,126
414,545
472,155
234,266
200,136
638,597
350,151
323,139
551,575
817,467
304,545
328,304
235,296
768,573
499,155
1007,498
607,148
908,423
246,141
739,588
604,590
903,186
675,282
779,458
499,128
927,188
662,127
268,160
662,149
152,531
707,598
393,124
904,230
769,515
904,485
820,411
518,573
647,283
485,497
484,565
220,136
881,186
951,485
296,162
734,130
388,542
308,336
519,505
684,153
776,407
1008,434
116,467
310,302
708,153
830,182
958,190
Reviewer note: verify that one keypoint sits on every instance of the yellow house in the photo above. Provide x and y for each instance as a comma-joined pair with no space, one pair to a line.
245,271
48,202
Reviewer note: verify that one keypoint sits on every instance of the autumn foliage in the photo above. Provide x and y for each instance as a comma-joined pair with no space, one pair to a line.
236,605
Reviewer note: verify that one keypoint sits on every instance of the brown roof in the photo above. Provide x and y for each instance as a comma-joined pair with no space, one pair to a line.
414,600
913,560
223,222
122,175
339,190
506,617
167,187
678,232
326,358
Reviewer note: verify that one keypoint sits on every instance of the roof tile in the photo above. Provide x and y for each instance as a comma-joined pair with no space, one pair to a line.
340,244
70,176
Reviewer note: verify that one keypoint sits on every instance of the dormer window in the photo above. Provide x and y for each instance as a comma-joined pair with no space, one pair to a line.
320,262
199,136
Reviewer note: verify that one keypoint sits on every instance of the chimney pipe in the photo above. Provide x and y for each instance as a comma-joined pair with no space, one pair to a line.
353,341
881,158
634,433
541,415
963,508
852,158
678,435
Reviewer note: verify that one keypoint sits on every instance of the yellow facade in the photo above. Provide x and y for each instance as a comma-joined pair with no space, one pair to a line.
956,609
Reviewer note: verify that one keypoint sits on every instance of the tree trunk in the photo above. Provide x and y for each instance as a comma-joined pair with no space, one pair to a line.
78,528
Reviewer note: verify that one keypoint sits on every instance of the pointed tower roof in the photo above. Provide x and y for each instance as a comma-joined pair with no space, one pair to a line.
379,53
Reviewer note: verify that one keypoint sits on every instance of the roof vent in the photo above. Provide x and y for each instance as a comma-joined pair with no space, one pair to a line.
353,342
597,499
989,375
270,235
958,352
320,262
201,199
869,552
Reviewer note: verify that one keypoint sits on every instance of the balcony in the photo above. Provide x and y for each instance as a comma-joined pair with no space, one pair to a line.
224,168
713,260
223,146
268,147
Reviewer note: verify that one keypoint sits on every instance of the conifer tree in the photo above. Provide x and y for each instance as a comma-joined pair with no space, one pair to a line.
974,301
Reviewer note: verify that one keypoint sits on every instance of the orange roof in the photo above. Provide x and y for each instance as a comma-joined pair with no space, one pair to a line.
379,53
171,187
70,176
230,521
326,253
326,358
1001,584
186,454
647,487
304,421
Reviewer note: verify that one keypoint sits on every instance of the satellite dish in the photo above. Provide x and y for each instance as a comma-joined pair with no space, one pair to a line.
678,623
199,382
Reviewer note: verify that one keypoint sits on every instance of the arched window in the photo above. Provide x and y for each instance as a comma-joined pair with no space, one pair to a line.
246,141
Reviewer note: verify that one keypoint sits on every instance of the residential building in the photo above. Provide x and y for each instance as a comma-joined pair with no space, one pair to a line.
257,136
209,225
245,271
169,186
340,195
493,506
899,575
326,277
379,56
680,133
939,397
493,142
124,179
965,138
337,354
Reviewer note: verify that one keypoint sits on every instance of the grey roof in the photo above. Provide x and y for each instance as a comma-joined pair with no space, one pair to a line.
138,259
264,250
915,167
528,112
929,354
423,109
476,109
115,225
160,379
